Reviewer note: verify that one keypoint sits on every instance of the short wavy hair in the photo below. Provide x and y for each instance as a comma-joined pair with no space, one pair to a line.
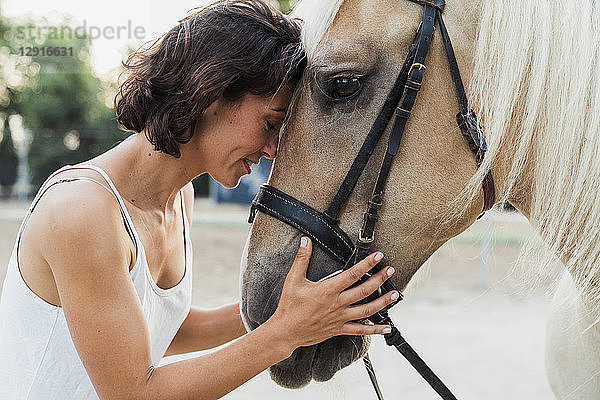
229,48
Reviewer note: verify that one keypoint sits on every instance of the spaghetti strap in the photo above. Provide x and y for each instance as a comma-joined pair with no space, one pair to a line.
128,223
183,211
115,192
129,227
36,344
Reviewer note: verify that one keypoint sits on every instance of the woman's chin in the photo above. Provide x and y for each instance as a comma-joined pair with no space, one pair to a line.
232,186
230,183
230,177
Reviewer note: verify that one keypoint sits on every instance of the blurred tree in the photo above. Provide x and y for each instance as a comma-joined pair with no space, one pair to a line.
285,5
16,72
8,161
201,185
62,103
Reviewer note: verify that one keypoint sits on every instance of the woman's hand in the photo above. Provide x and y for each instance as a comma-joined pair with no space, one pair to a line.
311,312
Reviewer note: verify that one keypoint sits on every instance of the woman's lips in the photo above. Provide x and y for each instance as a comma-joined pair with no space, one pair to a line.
247,165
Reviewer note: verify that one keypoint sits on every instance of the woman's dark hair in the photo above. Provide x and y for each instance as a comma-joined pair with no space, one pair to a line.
227,49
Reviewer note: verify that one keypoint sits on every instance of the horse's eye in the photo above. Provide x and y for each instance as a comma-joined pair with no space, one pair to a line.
345,87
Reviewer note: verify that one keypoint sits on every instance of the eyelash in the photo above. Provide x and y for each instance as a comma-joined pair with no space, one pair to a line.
270,126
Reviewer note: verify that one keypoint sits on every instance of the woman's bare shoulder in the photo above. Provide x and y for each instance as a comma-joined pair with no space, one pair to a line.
70,200
80,213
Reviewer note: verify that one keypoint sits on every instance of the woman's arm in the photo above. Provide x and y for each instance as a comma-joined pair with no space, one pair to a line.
81,236
206,329
308,313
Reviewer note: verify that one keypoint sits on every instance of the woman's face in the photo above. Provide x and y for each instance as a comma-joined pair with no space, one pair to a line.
236,135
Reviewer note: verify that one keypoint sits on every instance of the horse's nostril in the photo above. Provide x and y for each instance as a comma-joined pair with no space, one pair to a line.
248,321
256,310
259,315
253,325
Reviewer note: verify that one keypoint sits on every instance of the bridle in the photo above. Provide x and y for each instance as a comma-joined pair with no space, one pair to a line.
323,228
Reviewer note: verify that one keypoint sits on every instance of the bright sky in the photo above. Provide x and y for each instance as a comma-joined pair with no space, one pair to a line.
137,21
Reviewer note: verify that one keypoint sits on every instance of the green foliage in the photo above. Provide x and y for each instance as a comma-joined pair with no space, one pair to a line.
285,5
8,158
15,72
60,99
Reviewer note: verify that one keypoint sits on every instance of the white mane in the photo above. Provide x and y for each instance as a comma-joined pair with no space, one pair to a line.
536,89
318,15
536,85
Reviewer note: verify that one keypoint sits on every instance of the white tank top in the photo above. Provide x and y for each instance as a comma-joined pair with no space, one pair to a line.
37,357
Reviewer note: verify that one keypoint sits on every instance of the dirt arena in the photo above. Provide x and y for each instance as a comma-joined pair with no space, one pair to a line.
482,332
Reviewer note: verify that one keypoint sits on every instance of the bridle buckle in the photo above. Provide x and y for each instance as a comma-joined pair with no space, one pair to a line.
417,66
363,239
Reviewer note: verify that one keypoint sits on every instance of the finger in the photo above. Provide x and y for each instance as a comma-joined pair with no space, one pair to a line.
356,328
353,274
362,311
363,290
300,265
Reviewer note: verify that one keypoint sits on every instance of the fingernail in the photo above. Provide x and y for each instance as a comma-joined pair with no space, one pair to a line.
390,271
378,256
387,330
304,242
395,296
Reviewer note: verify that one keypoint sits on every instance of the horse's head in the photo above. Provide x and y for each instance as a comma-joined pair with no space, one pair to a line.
350,73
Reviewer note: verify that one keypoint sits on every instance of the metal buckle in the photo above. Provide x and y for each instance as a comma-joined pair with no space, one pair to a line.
364,239
418,66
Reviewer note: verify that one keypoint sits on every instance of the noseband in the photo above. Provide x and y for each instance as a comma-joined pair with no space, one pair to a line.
323,227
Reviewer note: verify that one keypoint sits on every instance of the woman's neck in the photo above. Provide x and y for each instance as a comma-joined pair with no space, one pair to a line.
148,179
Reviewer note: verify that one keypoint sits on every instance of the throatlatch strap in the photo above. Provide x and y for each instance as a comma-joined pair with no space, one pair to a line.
467,120
366,238
381,122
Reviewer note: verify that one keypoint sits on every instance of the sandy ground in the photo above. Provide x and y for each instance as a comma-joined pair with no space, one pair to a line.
482,332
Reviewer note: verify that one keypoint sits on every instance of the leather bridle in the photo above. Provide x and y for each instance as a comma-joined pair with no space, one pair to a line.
323,227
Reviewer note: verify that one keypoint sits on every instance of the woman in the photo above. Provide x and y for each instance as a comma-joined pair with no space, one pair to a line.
98,287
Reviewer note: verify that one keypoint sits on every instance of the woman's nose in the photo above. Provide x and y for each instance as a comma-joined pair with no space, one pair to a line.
270,148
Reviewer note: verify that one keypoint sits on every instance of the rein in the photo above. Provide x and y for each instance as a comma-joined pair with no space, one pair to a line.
323,227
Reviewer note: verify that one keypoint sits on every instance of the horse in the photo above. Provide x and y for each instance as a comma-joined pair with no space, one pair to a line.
532,70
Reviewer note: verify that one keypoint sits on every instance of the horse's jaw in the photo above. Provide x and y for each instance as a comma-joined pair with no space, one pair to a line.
261,285
319,362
